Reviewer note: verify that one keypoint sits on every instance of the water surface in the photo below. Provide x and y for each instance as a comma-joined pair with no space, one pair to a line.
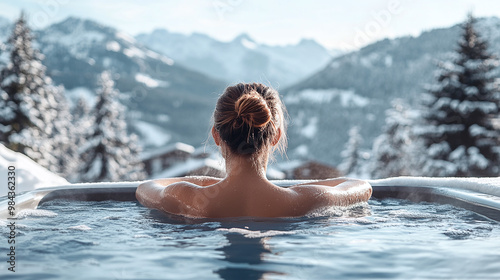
382,239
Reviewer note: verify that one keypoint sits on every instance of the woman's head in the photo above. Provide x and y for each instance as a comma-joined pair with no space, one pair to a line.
249,119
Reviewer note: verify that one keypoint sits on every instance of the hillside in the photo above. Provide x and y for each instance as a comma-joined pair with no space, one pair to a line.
357,88
170,101
162,96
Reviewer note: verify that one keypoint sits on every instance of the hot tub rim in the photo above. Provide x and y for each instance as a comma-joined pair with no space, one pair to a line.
484,204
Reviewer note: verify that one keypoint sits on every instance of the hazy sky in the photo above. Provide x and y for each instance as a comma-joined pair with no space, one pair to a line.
345,24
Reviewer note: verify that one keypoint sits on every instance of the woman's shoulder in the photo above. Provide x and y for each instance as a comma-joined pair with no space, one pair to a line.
333,192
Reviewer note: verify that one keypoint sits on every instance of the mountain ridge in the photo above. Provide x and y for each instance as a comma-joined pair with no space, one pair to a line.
155,89
379,72
355,88
242,58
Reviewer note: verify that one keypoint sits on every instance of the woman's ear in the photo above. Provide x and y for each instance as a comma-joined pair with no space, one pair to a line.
276,138
216,136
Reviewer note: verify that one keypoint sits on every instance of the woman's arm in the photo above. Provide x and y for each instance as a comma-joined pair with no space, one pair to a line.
327,182
201,181
152,193
339,192
149,194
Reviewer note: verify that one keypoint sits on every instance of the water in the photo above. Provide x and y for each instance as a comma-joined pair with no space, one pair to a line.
382,239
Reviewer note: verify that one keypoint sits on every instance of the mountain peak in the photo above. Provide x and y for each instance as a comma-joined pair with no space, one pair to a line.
159,32
243,36
309,43
245,40
71,23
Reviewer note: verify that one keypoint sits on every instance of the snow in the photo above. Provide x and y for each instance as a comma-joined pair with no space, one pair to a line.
134,52
162,117
311,128
248,44
78,41
158,56
150,82
347,98
96,167
106,62
490,185
367,61
152,134
302,150
113,46
81,92
183,168
388,61
127,38
167,60
109,150
275,174
282,65
29,175
477,158
466,107
335,64
163,150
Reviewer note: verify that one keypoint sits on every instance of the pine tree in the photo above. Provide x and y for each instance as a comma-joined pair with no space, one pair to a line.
82,123
109,153
458,130
351,154
64,139
28,100
393,150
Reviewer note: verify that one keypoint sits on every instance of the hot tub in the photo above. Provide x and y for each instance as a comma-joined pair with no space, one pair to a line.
99,231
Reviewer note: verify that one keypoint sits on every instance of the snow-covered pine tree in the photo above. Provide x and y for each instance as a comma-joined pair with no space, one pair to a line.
109,154
393,150
457,130
29,105
351,154
82,121
64,139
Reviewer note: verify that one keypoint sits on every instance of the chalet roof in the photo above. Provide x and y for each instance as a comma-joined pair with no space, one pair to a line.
288,165
205,149
183,168
157,152
274,174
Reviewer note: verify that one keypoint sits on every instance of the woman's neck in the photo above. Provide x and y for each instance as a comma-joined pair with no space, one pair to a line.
239,167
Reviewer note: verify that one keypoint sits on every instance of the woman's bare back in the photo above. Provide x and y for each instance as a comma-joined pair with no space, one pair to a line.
260,198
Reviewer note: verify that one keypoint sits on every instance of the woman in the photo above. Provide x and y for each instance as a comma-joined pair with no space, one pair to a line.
248,126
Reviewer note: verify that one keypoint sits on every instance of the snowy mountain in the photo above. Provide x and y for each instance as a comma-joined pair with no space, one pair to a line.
168,102
241,59
157,91
356,88
29,175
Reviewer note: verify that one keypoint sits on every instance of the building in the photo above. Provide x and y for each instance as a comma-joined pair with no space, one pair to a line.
158,160
194,167
307,170
179,159
315,170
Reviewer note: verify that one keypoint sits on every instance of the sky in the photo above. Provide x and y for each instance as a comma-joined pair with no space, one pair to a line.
344,25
